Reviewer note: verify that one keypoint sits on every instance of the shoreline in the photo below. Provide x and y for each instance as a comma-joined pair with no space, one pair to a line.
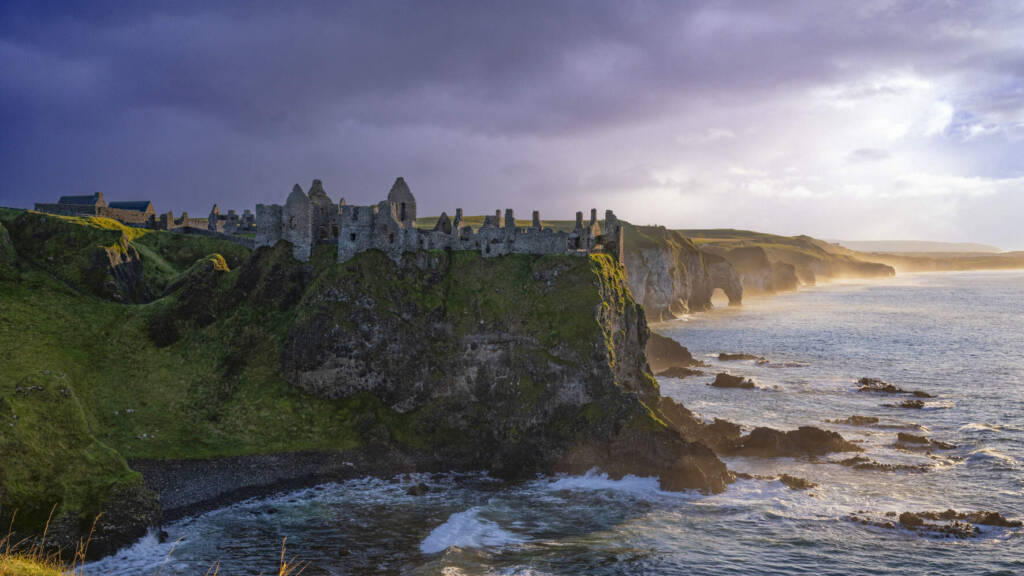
190,487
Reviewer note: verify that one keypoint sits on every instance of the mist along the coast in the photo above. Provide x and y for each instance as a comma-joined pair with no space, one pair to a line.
565,287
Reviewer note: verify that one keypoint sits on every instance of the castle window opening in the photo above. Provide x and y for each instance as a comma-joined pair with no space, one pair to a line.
402,216
334,231
391,238
352,237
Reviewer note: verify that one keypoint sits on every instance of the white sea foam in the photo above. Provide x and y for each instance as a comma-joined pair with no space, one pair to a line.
145,556
594,480
468,530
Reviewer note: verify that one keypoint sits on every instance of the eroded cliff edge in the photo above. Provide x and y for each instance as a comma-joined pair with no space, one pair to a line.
517,365
670,276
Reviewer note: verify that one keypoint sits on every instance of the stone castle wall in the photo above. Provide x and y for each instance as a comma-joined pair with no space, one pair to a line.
132,217
389,226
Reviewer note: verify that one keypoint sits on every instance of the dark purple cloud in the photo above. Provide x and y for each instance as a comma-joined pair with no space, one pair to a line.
556,105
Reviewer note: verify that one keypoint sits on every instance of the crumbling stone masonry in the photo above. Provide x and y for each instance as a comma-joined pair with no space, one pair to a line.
390,226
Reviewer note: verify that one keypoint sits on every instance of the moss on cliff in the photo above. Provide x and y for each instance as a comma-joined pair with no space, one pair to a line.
501,363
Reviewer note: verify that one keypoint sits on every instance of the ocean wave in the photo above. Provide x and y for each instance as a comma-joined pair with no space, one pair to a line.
468,530
994,459
146,556
985,427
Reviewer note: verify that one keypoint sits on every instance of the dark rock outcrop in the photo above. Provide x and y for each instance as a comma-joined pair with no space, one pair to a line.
679,372
727,357
856,420
796,483
726,380
664,353
909,441
865,463
881,386
956,524
804,441
721,436
543,370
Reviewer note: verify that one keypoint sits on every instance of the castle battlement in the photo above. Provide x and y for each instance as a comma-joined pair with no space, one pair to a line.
390,226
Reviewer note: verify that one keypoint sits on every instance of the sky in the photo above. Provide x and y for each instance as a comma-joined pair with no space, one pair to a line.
862,120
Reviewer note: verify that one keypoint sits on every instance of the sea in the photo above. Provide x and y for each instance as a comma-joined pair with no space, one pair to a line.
957,336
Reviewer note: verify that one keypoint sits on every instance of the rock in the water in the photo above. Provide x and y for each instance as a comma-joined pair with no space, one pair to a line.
804,441
913,441
981,517
726,380
910,519
418,489
727,357
912,404
881,386
679,372
856,420
664,353
911,438
796,483
721,436
864,463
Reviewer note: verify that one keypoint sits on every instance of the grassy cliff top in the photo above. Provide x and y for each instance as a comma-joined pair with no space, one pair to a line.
89,383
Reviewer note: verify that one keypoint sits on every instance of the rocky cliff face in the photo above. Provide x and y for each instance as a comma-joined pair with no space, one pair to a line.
769,264
757,273
517,364
670,276
443,360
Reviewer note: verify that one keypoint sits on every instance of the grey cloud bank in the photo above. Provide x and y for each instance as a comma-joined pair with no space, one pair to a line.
860,120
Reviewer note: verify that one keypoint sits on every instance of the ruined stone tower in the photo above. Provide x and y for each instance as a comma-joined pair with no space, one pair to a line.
405,204
390,226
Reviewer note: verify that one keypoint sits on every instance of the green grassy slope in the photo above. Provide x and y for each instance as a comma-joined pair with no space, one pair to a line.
109,393
88,383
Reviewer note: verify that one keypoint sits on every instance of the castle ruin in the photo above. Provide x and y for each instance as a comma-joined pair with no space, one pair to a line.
390,226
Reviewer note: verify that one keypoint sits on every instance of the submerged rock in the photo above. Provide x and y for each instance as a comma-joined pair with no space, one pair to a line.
726,357
911,438
726,380
418,489
881,386
855,420
906,441
864,463
796,483
957,524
